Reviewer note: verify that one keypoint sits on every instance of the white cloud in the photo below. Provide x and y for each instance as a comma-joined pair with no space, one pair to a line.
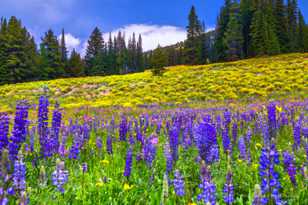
71,41
152,35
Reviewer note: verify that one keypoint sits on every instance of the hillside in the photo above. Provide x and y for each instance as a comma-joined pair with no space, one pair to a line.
267,77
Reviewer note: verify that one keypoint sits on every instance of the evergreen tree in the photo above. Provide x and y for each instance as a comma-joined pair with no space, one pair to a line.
159,60
18,52
233,36
220,47
301,32
139,55
263,35
75,65
246,12
292,25
51,66
111,59
63,49
95,50
280,14
193,44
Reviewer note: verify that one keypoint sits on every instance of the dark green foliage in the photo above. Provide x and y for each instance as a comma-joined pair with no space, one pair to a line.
18,55
280,13
193,44
264,40
159,60
223,19
94,52
233,38
75,65
292,25
63,49
51,64
246,12
301,32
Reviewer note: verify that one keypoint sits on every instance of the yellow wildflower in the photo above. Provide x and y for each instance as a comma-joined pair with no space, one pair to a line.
258,145
279,108
192,203
255,166
105,162
239,161
127,187
100,184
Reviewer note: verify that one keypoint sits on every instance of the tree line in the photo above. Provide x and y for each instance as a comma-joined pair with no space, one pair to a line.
244,29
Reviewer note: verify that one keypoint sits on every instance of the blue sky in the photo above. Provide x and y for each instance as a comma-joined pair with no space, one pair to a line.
159,21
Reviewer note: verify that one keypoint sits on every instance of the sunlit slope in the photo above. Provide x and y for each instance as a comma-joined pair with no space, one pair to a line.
267,77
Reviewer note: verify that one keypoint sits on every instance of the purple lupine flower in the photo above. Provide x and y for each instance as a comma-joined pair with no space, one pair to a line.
242,148
169,159
123,128
99,143
234,132
270,184
248,140
206,141
32,138
43,125
4,130
272,122
284,119
60,176
178,183
297,135
19,174
18,135
109,144
174,141
227,118
128,162
55,129
149,152
208,189
289,166
84,167
226,140
228,189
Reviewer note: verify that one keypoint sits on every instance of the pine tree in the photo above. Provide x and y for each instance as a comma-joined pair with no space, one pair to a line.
63,49
139,55
246,12
301,32
75,65
159,60
263,35
52,66
3,50
233,36
17,53
292,25
111,59
94,51
280,14
193,44
220,47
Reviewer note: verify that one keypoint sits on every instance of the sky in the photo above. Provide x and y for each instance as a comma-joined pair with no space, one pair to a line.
158,21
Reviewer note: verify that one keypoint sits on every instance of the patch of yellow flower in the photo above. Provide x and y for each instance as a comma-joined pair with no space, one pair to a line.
279,108
258,145
192,203
127,187
100,183
105,162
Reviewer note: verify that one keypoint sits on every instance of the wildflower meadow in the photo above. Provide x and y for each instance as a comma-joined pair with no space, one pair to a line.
254,154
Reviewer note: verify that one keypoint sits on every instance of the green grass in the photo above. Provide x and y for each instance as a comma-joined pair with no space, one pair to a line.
283,76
